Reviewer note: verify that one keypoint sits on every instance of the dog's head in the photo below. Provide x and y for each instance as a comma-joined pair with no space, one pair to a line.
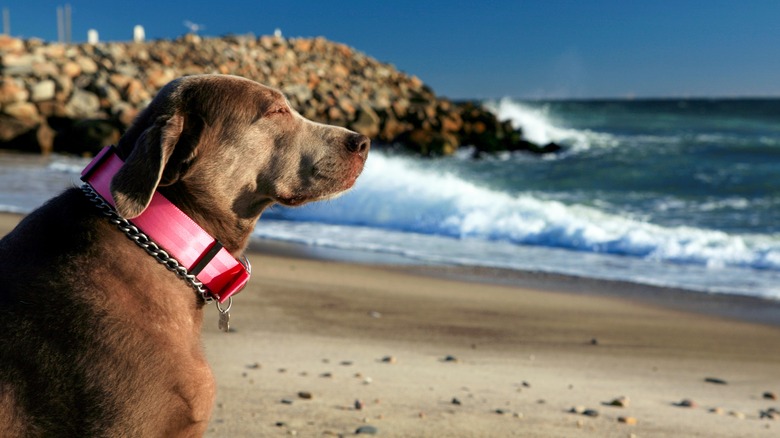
229,147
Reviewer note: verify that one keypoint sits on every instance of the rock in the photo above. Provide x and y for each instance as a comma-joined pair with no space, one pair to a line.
768,395
631,421
738,415
686,403
769,414
10,45
88,65
594,341
590,413
71,69
715,380
621,402
366,430
450,358
306,395
325,81
367,122
18,65
24,112
456,401
286,401
579,409
389,359
717,411
82,105
12,91
358,405
254,366
43,90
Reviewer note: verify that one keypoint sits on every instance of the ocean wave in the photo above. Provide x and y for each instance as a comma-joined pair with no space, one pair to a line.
538,127
403,194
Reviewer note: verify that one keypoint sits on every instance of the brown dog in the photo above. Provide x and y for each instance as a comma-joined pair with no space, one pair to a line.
98,338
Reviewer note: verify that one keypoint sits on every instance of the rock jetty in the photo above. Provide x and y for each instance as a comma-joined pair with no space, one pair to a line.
78,98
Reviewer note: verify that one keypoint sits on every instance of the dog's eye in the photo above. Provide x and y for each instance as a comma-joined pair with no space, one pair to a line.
279,110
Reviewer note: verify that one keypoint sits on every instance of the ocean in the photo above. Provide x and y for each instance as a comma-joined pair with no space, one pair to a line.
676,193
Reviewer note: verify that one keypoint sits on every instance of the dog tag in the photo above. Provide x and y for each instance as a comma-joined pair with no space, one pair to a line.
224,321
224,315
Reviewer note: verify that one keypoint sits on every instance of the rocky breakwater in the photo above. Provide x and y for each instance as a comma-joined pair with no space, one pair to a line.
77,98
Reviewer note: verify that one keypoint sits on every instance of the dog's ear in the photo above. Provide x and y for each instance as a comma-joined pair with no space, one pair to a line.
135,183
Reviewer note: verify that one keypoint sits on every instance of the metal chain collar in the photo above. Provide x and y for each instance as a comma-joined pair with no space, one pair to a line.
142,240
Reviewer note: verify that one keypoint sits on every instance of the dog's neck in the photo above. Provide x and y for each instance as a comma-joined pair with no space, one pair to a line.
179,235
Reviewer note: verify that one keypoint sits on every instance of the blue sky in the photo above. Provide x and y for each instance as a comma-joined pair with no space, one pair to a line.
469,49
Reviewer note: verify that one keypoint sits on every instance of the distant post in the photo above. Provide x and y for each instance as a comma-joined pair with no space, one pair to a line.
60,25
64,24
139,35
6,22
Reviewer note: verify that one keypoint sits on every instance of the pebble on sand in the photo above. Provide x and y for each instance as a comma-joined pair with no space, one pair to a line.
686,403
456,401
306,395
358,405
621,402
450,358
738,415
577,409
366,430
715,380
769,395
717,411
254,366
770,414
389,359
631,421
590,413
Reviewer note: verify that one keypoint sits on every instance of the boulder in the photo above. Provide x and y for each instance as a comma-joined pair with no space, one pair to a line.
82,105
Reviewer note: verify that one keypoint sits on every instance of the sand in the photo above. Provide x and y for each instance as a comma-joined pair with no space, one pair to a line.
323,347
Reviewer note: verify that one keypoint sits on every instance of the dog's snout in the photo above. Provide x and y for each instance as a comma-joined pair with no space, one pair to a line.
358,144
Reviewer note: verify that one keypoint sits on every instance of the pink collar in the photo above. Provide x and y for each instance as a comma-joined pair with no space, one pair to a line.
202,255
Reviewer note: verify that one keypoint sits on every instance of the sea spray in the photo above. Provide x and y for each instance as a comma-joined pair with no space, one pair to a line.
405,194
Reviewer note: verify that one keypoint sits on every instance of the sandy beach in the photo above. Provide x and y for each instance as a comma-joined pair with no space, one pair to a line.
325,348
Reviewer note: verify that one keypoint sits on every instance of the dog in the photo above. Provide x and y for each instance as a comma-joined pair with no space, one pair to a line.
100,338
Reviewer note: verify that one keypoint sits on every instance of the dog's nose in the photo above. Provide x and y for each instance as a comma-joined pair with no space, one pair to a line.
358,144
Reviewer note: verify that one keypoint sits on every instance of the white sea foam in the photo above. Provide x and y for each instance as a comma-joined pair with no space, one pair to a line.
403,194
538,127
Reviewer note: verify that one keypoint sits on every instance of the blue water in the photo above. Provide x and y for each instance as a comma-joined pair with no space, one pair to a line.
676,193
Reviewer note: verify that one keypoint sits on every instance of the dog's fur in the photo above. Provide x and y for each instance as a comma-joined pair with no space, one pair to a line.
99,339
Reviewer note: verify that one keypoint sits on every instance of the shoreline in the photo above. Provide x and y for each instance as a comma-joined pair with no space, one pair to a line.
728,305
